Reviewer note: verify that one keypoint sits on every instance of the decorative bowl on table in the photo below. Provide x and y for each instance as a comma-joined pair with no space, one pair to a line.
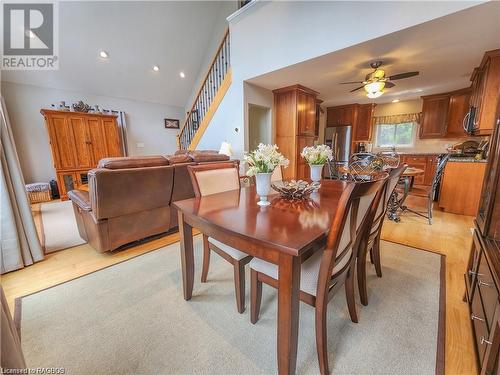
295,189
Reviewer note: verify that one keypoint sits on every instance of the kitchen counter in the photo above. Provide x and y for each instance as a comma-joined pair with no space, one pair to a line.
466,160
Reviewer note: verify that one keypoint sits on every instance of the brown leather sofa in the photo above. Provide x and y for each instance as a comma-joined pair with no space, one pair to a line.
130,198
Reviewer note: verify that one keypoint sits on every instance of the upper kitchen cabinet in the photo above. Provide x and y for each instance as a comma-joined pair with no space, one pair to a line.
296,125
459,106
363,125
434,116
485,92
341,115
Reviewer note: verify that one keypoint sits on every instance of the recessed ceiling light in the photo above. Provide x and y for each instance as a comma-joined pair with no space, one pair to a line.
103,54
156,68
395,101
182,75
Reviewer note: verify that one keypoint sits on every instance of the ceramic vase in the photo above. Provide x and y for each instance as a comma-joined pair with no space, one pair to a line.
263,187
316,171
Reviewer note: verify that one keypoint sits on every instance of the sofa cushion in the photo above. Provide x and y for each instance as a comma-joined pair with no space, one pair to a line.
202,157
132,162
178,158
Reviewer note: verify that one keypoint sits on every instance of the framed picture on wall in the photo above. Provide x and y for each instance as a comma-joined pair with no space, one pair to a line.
171,123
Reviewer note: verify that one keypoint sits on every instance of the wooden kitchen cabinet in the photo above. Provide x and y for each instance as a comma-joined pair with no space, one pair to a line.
363,125
461,187
434,120
425,162
341,115
295,123
485,90
458,108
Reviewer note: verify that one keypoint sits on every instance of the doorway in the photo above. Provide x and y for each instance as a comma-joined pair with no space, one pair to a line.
259,126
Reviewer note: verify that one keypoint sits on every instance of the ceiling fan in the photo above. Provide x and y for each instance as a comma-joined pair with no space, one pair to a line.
376,81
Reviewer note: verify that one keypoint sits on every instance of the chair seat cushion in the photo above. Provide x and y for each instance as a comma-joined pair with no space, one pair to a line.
308,274
231,251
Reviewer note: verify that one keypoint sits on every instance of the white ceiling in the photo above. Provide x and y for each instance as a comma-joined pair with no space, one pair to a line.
444,50
137,35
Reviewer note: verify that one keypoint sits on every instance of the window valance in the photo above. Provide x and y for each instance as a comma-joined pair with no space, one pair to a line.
398,119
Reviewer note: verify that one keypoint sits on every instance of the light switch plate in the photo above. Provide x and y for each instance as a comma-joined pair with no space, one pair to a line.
140,145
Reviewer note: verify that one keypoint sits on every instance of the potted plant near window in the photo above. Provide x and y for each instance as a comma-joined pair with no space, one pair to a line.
317,157
262,162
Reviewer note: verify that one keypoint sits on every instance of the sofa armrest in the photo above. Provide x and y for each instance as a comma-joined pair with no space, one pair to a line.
81,199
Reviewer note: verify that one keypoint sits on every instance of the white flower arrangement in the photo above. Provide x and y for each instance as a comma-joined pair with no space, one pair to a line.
264,159
317,155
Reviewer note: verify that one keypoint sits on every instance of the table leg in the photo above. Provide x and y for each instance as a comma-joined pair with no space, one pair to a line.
187,256
288,312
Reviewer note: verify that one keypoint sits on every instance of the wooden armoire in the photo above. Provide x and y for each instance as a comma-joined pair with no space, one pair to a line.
296,125
77,142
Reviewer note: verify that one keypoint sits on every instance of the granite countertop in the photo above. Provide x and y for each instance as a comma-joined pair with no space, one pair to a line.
419,153
466,160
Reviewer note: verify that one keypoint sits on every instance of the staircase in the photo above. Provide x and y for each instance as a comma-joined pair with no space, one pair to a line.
210,95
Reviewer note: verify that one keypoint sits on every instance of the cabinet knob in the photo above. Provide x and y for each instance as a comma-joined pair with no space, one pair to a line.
474,317
482,283
484,341
472,273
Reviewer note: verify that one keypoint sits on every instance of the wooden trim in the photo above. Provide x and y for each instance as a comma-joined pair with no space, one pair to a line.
295,88
226,83
441,338
45,111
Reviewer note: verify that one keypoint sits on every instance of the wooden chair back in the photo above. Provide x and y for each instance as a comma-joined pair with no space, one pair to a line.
213,178
356,207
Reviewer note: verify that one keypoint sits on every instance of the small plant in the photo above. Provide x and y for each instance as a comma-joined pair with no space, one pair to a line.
264,159
317,155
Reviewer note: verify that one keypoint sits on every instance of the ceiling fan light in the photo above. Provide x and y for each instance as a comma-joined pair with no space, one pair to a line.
375,94
374,86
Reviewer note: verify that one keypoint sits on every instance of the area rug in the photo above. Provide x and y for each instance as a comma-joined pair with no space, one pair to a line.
59,226
131,318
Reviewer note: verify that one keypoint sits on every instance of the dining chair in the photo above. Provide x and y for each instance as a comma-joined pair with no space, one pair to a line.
216,178
370,241
429,192
363,165
327,269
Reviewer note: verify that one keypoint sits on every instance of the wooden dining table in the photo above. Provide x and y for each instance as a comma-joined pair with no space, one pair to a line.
282,233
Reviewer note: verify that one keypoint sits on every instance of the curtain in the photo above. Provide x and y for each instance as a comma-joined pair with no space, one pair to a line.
19,241
11,353
398,119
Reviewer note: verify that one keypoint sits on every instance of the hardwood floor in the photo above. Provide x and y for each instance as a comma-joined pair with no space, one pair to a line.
449,235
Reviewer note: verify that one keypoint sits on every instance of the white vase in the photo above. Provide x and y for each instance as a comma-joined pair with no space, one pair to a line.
263,187
316,171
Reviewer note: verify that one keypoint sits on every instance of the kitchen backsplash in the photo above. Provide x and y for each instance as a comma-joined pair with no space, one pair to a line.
434,146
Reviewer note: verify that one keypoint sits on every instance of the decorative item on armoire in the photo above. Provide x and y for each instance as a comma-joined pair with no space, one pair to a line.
81,107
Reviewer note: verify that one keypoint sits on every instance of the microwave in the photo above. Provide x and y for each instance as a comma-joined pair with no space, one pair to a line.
469,122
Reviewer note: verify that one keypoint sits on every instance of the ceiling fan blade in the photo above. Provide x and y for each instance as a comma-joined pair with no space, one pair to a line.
348,83
388,84
357,88
403,75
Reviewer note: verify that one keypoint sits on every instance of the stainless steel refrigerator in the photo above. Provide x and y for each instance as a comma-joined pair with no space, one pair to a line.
339,139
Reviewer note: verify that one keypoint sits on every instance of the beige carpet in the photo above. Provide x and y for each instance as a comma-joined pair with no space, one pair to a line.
131,319
59,226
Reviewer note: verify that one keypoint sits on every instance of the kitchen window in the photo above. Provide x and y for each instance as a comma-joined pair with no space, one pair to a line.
395,135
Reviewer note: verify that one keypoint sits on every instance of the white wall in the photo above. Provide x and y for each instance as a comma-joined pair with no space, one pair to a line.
271,35
219,28
144,124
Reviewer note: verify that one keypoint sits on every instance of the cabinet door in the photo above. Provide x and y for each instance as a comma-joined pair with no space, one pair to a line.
459,106
434,116
348,115
62,142
306,113
363,127
97,139
480,86
82,141
430,170
112,137
419,162
302,167
333,116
